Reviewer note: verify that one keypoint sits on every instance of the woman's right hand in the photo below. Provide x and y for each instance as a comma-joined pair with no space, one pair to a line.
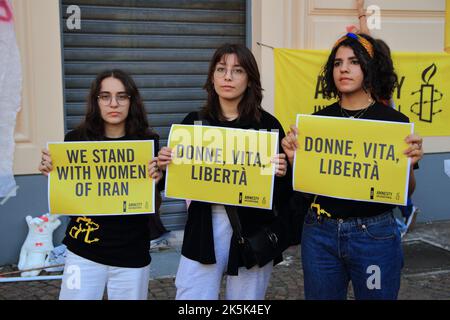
290,144
164,158
46,162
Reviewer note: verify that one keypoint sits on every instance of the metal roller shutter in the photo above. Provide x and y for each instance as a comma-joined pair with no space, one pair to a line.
164,44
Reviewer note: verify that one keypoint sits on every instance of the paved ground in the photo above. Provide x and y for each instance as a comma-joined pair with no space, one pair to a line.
426,274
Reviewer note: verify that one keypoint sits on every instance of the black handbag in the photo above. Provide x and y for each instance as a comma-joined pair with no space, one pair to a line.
260,247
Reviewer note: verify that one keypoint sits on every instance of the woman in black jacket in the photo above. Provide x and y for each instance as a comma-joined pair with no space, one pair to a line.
210,248
109,251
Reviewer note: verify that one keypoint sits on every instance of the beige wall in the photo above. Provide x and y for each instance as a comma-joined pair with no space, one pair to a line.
41,117
316,24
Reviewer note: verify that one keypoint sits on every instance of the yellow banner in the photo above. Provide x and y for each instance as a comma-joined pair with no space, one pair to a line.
423,93
352,159
222,165
101,178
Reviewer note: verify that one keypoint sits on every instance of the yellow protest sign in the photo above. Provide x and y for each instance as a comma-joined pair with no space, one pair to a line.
222,165
101,178
422,94
352,159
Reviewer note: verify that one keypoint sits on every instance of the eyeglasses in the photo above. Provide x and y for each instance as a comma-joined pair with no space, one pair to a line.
236,73
106,99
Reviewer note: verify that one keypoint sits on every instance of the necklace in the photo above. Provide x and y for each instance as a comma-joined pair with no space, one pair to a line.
357,115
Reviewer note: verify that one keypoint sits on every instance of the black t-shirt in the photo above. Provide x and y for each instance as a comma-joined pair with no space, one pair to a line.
120,241
341,208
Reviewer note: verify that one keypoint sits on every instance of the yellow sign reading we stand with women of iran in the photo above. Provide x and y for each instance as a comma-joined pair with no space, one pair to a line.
101,178
352,159
222,165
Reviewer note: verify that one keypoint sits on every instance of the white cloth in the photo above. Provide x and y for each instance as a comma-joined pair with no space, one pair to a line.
10,94
84,279
197,281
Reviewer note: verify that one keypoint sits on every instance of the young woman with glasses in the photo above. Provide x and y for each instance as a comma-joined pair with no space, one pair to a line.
111,251
209,247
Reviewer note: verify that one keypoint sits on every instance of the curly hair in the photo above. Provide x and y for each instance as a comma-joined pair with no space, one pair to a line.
249,107
380,78
136,124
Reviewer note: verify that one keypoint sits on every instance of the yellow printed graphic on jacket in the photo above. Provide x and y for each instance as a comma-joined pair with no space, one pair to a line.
422,93
84,228
352,159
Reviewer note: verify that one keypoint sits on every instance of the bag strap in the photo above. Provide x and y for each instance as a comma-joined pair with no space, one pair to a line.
234,221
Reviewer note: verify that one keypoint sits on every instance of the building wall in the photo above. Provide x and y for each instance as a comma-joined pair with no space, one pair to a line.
311,24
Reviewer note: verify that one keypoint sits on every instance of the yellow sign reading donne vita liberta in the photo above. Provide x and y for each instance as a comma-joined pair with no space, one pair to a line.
352,159
222,165
101,178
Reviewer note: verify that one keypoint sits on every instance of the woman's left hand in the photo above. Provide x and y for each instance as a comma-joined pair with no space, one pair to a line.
153,170
280,164
415,150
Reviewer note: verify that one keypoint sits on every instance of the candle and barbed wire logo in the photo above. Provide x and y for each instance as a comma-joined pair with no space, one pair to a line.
429,96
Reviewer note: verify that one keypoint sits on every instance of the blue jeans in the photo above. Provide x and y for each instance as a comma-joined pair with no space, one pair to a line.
365,251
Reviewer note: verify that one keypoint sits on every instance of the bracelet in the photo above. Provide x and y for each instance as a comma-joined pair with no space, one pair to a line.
363,15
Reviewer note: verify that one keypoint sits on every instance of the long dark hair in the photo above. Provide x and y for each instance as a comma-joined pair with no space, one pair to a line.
379,75
136,124
249,107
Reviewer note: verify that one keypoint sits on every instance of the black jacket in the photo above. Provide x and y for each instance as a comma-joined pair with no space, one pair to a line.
198,242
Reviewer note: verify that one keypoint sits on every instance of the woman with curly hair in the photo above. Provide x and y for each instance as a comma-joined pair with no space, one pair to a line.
360,241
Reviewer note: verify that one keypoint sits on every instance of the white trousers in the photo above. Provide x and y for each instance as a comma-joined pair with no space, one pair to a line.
197,281
84,279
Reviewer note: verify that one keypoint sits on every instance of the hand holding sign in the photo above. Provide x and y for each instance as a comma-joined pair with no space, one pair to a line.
108,177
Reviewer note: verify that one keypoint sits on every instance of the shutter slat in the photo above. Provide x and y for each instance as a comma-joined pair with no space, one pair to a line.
144,81
152,107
